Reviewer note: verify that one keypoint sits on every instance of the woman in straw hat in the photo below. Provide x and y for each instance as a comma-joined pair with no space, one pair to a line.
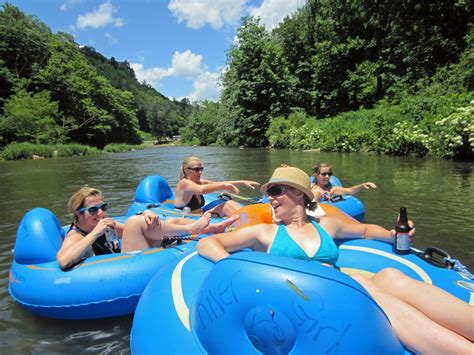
424,317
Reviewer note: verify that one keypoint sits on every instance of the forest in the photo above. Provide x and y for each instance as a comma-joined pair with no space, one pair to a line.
56,93
383,77
380,77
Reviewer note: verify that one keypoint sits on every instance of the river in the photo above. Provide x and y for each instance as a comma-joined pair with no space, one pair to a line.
437,193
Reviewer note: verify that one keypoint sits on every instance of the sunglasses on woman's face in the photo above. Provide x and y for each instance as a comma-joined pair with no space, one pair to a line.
94,209
326,174
197,170
276,190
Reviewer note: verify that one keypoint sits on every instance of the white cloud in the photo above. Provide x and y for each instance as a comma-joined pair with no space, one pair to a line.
206,87
69,4
151,76
272,12
186,64
198,13
100,17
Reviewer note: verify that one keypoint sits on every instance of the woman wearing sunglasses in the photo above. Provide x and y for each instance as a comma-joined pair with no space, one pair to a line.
323,190
87,234
191,188
425,318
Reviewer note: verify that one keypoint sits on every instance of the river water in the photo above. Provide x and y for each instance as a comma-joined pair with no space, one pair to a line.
437,193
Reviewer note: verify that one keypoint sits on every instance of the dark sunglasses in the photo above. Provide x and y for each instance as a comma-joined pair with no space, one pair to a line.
276,190
94,209
326,174
196,169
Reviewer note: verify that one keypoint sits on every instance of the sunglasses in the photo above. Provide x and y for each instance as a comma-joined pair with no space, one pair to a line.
196,169
276,190
326,174
94,209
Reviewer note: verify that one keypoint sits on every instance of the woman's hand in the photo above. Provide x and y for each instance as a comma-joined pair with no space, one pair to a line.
152,220
411,233
369,185
250,184
102,226
231,187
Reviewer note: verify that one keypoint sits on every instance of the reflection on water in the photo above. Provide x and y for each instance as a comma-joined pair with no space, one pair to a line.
437,193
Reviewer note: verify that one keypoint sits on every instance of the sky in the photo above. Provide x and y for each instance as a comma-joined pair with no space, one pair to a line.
177,46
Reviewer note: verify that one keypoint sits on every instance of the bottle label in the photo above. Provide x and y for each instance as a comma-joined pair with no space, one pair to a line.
112,240
403,241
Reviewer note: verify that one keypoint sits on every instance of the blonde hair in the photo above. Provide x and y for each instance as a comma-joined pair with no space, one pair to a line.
77,199
186,163
319,166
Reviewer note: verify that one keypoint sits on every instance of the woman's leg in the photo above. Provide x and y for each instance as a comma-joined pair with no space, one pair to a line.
415,330
226,209
137,236
211,228
437,304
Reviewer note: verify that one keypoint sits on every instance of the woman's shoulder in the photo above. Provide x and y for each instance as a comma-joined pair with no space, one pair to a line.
183,183
72,236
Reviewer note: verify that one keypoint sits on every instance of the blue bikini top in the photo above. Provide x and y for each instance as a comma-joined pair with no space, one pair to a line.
284,245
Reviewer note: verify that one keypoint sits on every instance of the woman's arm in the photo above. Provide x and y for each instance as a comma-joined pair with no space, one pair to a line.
342,230
249,183
218,246
191,187
75,245
338,190
316,193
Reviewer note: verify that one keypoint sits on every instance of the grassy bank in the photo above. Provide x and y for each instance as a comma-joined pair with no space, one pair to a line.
20,151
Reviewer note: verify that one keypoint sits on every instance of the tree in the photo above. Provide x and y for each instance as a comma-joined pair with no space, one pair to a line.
23,47
257,85
30,117
201,128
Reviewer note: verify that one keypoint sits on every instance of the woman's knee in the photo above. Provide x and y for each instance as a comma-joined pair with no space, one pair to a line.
363,281
134,223
391,277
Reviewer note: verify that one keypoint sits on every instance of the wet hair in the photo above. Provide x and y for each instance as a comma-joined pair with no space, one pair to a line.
77,199
186,163
310,205
319,166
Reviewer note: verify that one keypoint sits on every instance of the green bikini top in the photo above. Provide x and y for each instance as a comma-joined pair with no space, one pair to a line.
284,245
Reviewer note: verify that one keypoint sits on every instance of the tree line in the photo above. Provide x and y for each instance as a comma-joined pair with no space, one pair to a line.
391,77
374,76
52,91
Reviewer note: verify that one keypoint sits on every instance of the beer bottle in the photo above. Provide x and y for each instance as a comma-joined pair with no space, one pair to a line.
402,239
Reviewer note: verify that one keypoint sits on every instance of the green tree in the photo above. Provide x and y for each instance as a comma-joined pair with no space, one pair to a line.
30,117
201,128
96,113
23,47
256,86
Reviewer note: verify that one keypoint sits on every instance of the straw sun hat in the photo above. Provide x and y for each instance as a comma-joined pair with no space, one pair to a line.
290,176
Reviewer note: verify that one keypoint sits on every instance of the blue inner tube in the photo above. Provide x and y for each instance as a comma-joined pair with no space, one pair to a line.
254,302
101,286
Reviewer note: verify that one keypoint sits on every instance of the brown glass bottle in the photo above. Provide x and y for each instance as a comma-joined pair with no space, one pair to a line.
402,239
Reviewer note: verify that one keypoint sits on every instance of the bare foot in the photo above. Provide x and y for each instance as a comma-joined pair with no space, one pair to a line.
200,224
221,226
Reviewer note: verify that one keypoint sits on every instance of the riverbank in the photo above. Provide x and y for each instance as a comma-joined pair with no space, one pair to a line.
23,151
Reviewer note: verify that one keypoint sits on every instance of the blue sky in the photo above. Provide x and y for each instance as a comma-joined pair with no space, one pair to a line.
177,46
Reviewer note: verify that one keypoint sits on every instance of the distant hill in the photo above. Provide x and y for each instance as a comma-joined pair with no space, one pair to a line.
157,113
53,91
